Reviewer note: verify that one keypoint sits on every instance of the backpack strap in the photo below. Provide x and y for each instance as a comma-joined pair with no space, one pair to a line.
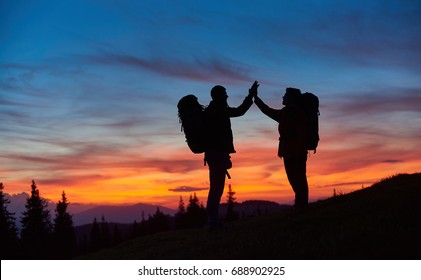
226,171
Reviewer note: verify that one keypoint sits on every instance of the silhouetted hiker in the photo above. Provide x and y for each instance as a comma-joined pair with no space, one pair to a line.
292,142
219,146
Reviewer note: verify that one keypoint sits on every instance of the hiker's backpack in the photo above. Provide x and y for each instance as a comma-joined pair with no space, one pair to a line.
310,104
191,117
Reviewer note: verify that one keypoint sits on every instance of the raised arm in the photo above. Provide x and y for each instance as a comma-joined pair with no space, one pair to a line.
248,101
274,114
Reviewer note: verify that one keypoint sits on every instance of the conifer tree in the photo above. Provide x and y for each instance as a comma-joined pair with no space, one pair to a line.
64,233
8,232
105,233
135,229
143,227
193,202
117,238
140,229
158,222
196,213
181,206
83,245
231,214
180,216
95,236
36,226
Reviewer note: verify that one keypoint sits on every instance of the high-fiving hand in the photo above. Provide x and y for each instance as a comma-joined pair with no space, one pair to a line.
253,89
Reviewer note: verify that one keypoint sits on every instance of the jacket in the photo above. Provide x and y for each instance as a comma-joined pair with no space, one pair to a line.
292,128
218,125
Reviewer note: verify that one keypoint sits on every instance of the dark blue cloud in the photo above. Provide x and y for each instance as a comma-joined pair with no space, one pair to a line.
197,69
377,102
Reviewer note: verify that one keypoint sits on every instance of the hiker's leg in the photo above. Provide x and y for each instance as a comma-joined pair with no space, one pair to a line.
217,173
295,168
301,181
290,171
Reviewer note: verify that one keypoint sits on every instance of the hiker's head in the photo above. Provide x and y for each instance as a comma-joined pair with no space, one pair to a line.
219,93
291,96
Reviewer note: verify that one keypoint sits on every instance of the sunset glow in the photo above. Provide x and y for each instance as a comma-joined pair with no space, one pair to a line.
88,94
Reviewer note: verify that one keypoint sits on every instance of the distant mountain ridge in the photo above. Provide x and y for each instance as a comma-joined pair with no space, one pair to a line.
124,214
127,214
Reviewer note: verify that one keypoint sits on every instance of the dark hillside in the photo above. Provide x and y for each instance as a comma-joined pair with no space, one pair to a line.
379,222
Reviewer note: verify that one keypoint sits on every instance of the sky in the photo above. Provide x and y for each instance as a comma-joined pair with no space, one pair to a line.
88,94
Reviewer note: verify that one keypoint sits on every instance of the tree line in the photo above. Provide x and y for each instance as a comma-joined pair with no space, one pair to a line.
40,237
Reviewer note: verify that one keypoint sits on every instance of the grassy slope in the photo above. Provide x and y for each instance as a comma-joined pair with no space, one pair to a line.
380,222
